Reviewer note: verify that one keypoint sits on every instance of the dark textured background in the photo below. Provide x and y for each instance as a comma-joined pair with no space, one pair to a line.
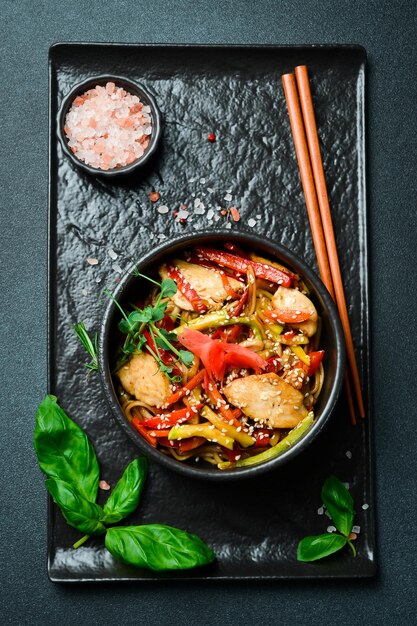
388,31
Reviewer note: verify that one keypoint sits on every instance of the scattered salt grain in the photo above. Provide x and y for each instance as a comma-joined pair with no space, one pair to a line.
210,214
202,181
320,510
365,506
331,529
348,454
104,485
108,127
258,217
228,225
210,189
84,292
182,215
116,268
251,222
112,254
98,279
228,197
162,209
92,261
356,529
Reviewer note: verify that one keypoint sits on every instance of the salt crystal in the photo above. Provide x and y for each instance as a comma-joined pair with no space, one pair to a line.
182,215
84,292
356,529
258,217
210,189
228,197
92,261
202,181
251,222
228,225
162,237
98,279
117,268
320,510
331,529
216,218
162,209
210,214
200,210
192,180
229,190
348,454
365,506
112,254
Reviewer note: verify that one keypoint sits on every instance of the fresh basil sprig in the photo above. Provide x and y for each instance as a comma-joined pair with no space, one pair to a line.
340,506
157,547
67,457
135,323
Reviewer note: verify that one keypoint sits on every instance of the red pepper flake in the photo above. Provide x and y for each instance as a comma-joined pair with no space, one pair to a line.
154,196
211,137
234,212
223,212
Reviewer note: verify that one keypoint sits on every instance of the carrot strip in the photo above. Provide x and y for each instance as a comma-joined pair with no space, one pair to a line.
196,380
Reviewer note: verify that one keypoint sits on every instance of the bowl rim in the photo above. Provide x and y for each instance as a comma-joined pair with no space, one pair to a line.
216,237
141,91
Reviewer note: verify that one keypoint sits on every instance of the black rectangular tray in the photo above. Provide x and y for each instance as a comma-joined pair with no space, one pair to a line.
234,91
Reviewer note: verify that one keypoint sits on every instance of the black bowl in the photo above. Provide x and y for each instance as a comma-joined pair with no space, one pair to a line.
332,342
132,87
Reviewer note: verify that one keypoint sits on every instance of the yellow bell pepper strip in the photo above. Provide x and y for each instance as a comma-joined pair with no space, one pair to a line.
282,446
200,430
298,351
216,319
241,437
239,264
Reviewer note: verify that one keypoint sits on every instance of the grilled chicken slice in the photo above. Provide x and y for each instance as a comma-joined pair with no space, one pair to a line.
293,300
268,399
142,378
206,282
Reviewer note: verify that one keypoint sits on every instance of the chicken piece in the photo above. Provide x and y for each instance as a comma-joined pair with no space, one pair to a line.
268,399
296,377
293,300
206,282
142,378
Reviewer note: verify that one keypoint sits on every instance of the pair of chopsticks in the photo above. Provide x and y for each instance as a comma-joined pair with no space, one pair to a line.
307,148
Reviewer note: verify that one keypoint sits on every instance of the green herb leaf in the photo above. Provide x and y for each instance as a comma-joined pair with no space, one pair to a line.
319,546
124,498
168,336
168,288
124,326
144,315
89,344
186,357
64,451
339,504
165,368
158,312
157,547
85,516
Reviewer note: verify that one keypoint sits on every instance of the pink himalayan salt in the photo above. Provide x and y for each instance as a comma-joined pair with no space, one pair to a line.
108,127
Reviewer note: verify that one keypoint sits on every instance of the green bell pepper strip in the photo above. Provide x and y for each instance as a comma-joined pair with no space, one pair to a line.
216,319
282,446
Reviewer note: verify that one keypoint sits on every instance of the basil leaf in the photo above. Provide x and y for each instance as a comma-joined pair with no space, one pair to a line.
319,546
124,498
157,547
339,504
64,450
168,288
78,512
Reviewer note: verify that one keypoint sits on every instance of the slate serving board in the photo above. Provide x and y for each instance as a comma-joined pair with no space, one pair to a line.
235,92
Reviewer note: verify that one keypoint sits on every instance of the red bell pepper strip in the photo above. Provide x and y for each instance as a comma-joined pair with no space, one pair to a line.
290,334
233,333
166,420
315,360
288,317
237,310
185,445
144,432
274,365
262,437
235,454
228,287
186,289
167,323
239,264
159,433
234,249
219,402
166,357
194,382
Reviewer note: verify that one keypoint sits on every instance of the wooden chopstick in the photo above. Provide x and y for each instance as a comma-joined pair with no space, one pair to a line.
306,100
307,180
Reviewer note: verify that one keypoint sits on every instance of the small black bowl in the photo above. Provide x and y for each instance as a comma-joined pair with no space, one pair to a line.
332,342
132,87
